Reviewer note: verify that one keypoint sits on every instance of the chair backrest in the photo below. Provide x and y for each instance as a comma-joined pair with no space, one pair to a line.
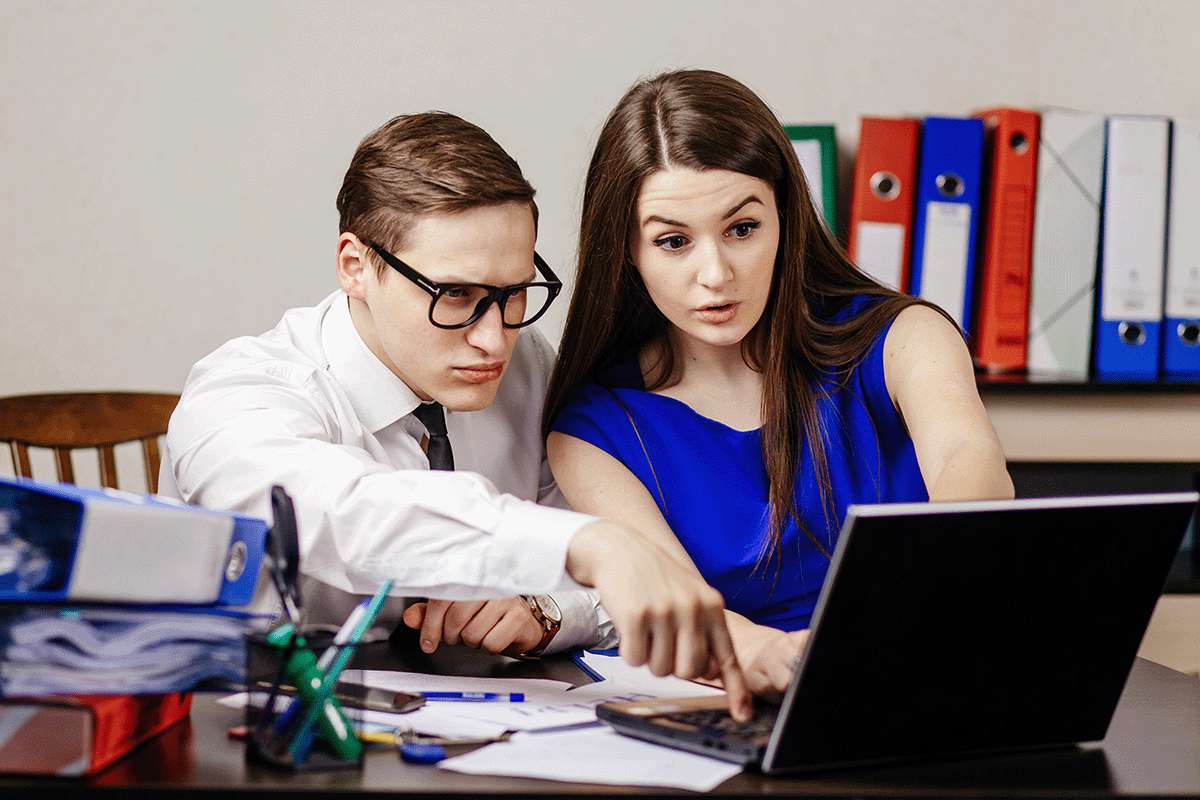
69,421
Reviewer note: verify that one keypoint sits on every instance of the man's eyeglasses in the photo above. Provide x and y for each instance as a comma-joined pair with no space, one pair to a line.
457,305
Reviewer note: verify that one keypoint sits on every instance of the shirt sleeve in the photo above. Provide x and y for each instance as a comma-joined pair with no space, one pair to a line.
585,623
450,535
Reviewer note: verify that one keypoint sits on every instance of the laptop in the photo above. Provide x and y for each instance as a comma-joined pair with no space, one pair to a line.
950,629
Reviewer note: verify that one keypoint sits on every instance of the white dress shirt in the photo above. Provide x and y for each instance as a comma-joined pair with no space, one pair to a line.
308,406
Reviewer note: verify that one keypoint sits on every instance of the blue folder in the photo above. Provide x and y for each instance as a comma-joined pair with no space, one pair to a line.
1181,337
1129,313
64,543
1181,349
946,224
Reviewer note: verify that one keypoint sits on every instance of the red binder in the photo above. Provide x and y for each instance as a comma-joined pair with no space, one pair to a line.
1002,327
83,734
881,206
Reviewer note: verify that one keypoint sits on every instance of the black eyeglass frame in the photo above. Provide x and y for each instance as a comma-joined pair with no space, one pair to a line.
495,294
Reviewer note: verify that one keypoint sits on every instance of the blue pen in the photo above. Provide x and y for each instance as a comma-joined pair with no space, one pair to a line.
476,697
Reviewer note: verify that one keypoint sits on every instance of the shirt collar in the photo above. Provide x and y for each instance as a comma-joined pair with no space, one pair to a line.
378,396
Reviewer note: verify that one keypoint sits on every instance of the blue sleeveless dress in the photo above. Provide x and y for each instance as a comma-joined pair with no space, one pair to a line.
714,481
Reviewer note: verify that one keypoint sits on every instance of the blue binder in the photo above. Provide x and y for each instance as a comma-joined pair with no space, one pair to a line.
1181,336
1181,349
63,543
1129,316
946,224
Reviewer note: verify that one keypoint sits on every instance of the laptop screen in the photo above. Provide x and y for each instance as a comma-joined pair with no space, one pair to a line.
948,628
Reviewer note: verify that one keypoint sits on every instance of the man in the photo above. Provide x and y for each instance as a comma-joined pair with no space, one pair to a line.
402,414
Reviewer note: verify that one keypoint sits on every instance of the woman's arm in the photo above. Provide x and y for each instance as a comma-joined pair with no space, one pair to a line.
932,383
596,483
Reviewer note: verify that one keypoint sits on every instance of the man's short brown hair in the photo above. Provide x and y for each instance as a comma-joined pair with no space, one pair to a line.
425,163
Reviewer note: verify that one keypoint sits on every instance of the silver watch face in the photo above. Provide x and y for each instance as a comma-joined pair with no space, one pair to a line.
548,607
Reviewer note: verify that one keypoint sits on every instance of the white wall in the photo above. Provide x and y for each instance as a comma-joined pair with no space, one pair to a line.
170,168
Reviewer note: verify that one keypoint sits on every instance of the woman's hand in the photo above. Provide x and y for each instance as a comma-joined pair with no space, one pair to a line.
769,657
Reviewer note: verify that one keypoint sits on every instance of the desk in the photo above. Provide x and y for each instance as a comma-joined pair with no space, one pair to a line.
1153,748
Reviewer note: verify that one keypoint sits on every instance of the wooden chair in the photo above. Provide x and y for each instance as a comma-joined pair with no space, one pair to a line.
69,421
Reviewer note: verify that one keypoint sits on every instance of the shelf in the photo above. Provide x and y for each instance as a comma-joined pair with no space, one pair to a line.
1034,383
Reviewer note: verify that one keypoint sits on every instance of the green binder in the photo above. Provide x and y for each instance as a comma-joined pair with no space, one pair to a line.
816,147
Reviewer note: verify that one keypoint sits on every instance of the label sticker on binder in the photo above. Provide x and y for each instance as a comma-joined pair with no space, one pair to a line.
944,276
879,251
808,153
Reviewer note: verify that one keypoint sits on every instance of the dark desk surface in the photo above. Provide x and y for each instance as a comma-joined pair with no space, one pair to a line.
1152,748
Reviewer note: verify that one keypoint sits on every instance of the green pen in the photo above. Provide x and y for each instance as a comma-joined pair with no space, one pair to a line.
307,677
346,746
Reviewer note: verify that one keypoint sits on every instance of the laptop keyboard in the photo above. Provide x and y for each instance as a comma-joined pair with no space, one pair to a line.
720,722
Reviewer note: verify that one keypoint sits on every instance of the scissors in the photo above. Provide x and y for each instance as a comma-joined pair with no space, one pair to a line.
284,557
416,748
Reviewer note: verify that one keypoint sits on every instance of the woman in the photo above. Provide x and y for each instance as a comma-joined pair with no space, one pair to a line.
728,382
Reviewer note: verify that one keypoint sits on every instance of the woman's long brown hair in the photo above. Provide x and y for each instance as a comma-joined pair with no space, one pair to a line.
697,119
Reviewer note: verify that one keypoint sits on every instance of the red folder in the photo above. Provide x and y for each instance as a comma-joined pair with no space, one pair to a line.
881,207
1002,327
81,735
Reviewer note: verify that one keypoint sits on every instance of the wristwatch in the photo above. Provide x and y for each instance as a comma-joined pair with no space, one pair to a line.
545,611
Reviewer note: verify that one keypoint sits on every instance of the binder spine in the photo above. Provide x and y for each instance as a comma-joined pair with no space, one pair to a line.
1003,309
1133,248
946,217
816,148
1181,328
878,239
1065,236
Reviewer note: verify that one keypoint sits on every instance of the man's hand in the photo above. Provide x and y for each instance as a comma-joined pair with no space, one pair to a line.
491,625
667,616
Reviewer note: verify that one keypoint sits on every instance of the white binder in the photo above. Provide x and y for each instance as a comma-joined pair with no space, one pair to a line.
1065,235
1133,247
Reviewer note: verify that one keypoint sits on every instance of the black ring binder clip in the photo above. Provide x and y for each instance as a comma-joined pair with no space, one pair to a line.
284,656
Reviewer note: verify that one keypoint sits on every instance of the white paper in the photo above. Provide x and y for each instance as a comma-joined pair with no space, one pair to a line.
548,703
622,683
944,261
879,251
431,719
594,755
574,708
629,678
534,689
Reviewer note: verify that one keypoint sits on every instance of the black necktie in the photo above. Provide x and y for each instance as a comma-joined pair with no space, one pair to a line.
434,419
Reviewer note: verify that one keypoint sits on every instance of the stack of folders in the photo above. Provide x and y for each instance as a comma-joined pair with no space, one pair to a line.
1060,241
126,597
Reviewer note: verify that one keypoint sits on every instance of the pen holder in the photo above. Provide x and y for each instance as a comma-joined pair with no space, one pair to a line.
285,732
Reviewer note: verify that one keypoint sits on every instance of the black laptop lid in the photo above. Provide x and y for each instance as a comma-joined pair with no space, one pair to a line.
947,628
